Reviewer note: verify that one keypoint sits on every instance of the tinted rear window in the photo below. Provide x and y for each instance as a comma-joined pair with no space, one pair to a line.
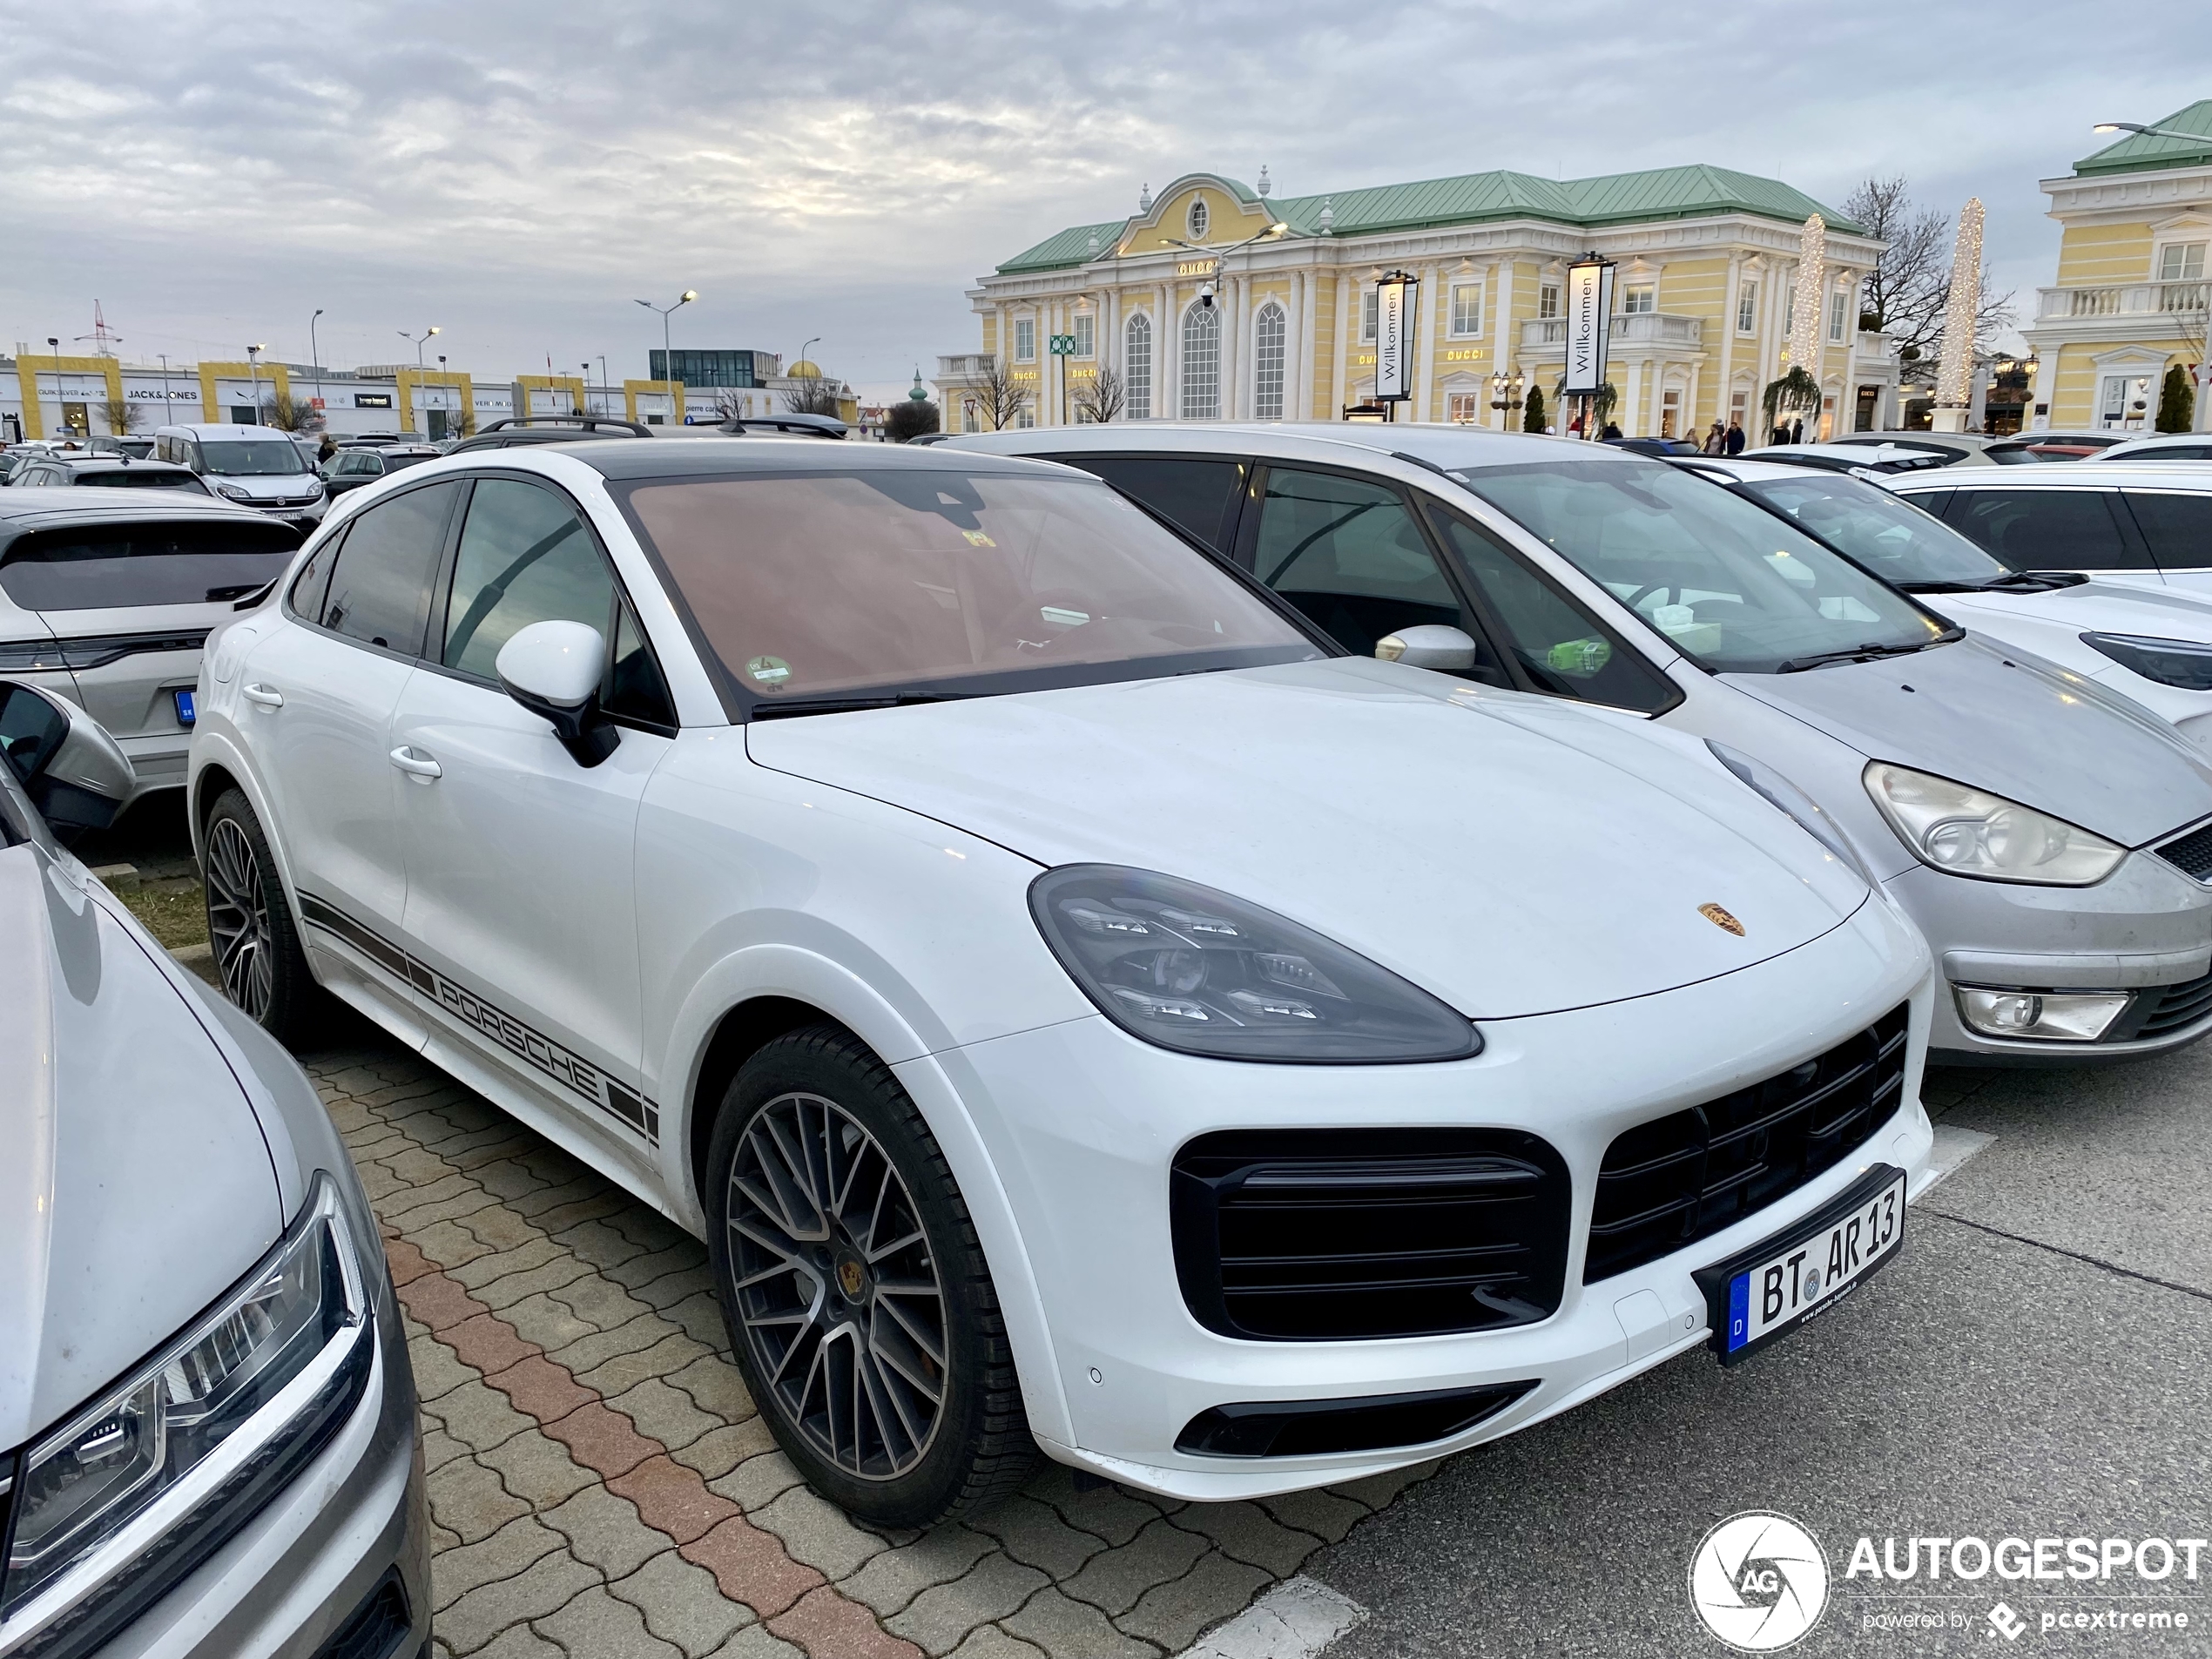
144,565
133,478
1199,496
2044,530
2178,528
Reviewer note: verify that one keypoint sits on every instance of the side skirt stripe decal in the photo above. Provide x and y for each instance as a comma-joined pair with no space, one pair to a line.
571,1071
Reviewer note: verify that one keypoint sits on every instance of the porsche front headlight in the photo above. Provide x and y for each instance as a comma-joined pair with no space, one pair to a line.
132,1493
1969,831
1188,968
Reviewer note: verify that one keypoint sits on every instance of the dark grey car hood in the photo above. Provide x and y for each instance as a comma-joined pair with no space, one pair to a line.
136,1184
2011,724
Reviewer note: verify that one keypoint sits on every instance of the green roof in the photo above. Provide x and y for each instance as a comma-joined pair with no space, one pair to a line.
2141,152
1614,199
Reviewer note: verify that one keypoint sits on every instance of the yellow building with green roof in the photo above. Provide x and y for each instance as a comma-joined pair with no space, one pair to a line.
1707,259
2131,296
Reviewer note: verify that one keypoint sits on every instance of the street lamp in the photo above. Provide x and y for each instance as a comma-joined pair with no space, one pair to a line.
667,355
1505,391
316,352
2151,132
254,374
167,416
54,345
419,340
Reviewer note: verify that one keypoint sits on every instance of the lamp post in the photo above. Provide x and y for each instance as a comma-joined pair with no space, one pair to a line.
2149,133
316,352
167,416
54,345
419,340
667,352
254,377
1505,394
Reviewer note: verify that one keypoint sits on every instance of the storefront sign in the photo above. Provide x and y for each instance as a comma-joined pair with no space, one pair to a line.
372,400
1589,322
1394,338
1198,268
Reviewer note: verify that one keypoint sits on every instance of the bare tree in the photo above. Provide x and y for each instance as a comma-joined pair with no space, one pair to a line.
121,415
999,397
1103,397
1908,290
289,414
815,397
731,406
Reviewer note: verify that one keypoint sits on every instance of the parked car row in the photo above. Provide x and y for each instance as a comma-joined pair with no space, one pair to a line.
1241,956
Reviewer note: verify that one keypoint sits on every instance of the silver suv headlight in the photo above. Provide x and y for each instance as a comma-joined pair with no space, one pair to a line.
1968,832
127,1497
1188,968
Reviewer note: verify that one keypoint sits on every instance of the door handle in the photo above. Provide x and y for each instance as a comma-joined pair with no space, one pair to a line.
267,695
414,764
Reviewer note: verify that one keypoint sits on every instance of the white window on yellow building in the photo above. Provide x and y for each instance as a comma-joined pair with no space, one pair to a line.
1202,364
1268,332
2182,262
1467,310
971,416
1548,301
1747,308
1639,298
1197,219
1136,366
1838,313
1025,340
1369,316
1086,331
1027,418
1463,408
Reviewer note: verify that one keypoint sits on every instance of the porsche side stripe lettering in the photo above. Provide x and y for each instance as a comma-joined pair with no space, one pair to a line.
572,1071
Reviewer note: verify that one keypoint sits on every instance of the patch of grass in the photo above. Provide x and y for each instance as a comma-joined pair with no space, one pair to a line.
174,912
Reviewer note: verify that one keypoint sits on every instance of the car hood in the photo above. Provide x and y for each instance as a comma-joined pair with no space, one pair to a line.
1515,855
2001,720
2097,607
136,1185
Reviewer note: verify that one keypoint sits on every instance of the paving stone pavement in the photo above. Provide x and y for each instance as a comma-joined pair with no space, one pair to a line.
600,1484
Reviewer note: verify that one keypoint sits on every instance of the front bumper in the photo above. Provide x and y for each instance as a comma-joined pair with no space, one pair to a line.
2146,928
1085,1122
352,1519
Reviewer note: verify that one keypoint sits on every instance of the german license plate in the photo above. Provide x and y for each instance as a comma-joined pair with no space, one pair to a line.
1777,1285
184,695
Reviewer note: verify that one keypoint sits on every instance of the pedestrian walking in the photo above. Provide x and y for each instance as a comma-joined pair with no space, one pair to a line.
1734,445
1612,430
1797,430
1716,441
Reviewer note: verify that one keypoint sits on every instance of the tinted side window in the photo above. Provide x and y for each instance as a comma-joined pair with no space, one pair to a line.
2178,528
1560,647
1348,553
525,556
1200,496
2044,530
635,688
313,581
380,590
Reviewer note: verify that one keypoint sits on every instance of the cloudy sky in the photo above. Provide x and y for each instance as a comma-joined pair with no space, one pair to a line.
518,173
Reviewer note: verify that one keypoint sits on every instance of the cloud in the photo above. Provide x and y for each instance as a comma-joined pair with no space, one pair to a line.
520,173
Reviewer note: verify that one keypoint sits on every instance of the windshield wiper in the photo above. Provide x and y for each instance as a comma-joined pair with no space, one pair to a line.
1863,653
776,710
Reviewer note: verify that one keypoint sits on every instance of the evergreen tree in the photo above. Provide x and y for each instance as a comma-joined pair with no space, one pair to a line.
1532,419
2176,401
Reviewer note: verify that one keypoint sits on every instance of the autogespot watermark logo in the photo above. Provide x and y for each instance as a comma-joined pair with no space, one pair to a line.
1759,1582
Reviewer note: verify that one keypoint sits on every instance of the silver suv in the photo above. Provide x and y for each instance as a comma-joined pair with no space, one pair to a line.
208,1444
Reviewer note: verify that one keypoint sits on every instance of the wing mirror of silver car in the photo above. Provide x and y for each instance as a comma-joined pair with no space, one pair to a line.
75,773
1430,645
555,670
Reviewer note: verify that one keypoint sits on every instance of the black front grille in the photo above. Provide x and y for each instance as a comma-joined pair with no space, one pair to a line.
2173,1006
1667,1184
1322,1427
1336,1235
377,1627
2192,855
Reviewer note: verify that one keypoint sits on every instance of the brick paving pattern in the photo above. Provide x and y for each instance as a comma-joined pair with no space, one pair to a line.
600,1484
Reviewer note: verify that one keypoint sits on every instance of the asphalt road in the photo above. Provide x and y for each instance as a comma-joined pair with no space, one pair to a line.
2038,1363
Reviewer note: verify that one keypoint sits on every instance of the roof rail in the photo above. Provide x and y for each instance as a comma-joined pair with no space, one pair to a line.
589,422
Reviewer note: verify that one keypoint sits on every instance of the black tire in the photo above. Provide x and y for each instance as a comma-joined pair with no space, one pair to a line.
857,1304
258,957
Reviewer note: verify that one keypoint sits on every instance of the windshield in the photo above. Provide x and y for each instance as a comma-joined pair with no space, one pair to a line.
252,457
898,580
1736,589
1896,541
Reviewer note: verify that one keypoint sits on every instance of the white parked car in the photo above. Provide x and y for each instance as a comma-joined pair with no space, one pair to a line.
2152,644
2167,446
1079,1004
2146,523
255,466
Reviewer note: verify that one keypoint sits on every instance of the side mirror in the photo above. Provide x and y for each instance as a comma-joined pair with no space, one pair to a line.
1430,645
75,773
554,670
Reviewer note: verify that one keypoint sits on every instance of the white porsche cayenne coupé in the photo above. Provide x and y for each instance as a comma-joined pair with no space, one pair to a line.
1079,1004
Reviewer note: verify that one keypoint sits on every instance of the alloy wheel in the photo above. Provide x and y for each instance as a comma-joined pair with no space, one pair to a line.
237,917
836,1286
